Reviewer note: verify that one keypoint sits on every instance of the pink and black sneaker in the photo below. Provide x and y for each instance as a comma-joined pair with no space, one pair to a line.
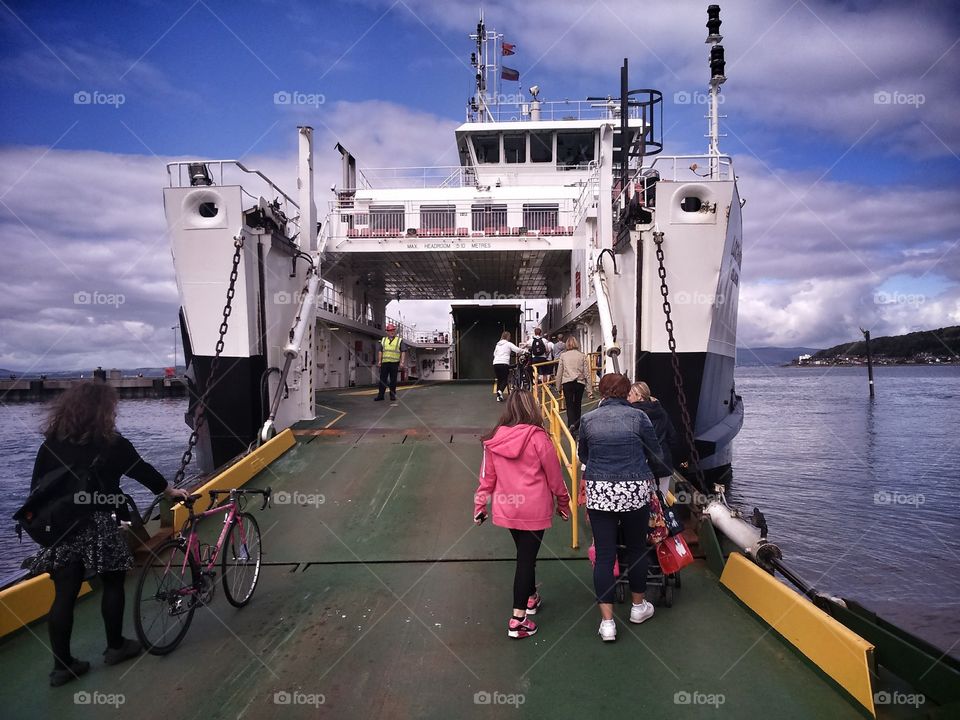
521,628
533,603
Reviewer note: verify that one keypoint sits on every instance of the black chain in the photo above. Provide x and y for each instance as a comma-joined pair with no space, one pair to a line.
201,417
675,361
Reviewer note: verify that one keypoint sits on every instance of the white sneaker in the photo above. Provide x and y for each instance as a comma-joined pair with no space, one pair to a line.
640,613
499,396
608,630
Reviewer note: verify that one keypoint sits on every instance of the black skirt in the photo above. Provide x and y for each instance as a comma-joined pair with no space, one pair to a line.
97,544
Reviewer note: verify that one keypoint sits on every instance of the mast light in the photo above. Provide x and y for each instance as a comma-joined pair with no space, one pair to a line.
713,24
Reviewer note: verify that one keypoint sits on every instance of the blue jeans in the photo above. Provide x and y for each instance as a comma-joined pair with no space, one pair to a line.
632,528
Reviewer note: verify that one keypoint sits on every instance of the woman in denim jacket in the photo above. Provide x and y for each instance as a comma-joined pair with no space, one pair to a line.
616,441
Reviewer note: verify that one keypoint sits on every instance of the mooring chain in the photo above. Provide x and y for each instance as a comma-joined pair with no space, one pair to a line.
675,361
200,416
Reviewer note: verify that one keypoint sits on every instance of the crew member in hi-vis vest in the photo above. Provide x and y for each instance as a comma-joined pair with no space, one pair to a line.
390,355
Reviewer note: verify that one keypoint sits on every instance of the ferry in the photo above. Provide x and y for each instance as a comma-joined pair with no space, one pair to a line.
377,595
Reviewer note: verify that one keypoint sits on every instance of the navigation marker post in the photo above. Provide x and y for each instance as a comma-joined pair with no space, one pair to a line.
866,336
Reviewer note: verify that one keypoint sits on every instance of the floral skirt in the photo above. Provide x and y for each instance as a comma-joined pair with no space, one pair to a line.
97,544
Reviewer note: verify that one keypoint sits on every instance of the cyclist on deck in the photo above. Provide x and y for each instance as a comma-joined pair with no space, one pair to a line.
81,433
501,361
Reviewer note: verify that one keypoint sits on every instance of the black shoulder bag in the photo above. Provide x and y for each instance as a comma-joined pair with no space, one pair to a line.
61,500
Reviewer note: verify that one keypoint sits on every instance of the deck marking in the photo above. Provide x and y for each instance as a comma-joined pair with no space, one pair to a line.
399,478
336,419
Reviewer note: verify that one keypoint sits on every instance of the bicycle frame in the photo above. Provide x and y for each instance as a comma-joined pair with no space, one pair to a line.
232,508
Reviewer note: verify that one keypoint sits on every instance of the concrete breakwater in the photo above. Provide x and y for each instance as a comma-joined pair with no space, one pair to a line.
30,389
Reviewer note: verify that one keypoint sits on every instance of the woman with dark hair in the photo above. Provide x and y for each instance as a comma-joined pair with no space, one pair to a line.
501,361
522,475
81,433
616,442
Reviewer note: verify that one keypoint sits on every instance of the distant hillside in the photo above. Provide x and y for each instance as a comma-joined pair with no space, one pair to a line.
127,372
944,342
747,357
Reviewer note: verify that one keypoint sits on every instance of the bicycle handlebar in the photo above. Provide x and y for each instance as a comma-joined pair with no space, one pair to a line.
266,492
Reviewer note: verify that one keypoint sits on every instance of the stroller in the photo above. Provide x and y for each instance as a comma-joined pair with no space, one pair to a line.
661,587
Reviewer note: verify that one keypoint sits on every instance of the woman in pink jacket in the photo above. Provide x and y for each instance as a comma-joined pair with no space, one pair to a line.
521,473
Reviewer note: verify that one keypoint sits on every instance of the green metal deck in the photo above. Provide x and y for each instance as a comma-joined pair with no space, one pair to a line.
382,600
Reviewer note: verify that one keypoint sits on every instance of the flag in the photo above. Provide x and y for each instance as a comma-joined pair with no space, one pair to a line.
510,74
508,48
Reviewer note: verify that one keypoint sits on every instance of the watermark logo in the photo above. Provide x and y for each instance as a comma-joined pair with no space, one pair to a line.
85,697
898,298
887,497
99,499
511,499
282,297
683,697
95,97
895,97
697,298
83,297
295,497
483,697
295,97
295,697
496,295
899,698
697,97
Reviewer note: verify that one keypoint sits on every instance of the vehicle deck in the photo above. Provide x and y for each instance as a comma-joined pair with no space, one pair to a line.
382,599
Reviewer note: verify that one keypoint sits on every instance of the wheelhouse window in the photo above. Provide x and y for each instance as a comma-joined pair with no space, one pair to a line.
541,146
515,147
540,216
488,217
574,149
387,217
438,218
487,148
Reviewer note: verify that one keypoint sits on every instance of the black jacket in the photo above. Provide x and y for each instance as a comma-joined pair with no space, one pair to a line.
666,434
116,459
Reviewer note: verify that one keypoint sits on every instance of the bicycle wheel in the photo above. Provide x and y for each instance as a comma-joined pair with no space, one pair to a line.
240,560
163,609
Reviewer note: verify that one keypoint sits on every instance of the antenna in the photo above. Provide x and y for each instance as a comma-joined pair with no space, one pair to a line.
485,62
717,78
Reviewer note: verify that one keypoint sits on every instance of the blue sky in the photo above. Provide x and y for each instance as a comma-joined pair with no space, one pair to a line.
849,195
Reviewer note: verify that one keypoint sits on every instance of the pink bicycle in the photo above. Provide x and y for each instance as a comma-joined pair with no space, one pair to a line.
181,574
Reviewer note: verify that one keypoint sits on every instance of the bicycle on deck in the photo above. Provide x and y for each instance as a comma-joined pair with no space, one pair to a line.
180,575
520,376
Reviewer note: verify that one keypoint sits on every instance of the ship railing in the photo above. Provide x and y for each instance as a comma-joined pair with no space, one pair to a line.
439,176
219,173
583,203
678,167
512,108
414,218
566,446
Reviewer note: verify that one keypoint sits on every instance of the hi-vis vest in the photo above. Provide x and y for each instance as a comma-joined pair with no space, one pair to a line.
391,349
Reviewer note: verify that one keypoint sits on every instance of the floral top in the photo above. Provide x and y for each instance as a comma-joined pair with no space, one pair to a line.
620,496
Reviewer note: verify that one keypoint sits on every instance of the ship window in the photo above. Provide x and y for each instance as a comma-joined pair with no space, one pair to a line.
574,148
691,203
487,148
515,148
464,152
541,147
208,209
486,218
540,216
386,217
438,217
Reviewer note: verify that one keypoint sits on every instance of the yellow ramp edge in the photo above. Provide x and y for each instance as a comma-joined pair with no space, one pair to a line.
27,601
835,649
237,474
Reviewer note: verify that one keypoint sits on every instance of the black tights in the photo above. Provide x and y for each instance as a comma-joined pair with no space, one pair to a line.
66,582
525,577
